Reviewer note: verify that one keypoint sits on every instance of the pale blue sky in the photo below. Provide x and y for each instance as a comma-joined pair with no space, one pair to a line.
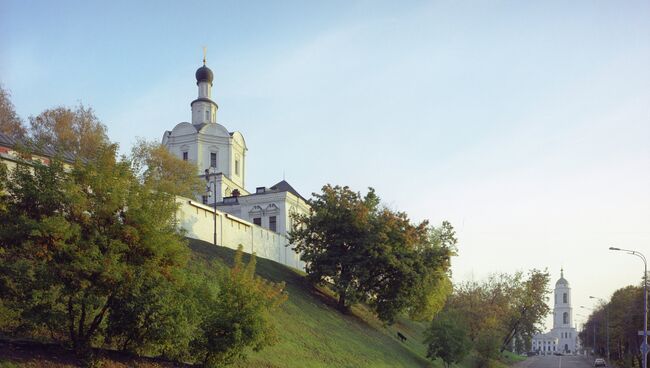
524,123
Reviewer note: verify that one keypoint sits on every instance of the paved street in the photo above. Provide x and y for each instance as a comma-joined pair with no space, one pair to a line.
556,362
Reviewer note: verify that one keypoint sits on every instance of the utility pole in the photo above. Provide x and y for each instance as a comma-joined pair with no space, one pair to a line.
644,345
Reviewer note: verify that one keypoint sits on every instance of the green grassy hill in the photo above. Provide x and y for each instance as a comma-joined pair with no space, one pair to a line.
314,334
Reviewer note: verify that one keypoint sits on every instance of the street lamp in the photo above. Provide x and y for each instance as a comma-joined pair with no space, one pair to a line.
593,348
644,346
212,172
606,323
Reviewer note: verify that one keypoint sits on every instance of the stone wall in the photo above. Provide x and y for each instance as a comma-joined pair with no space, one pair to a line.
198,222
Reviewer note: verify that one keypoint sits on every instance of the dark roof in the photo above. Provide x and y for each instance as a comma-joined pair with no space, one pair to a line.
204,74
283,186
7,141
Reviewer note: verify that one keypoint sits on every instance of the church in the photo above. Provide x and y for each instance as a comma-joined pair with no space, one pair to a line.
563,338
263,217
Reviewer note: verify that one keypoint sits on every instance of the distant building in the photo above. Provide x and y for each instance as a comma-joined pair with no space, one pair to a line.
563,338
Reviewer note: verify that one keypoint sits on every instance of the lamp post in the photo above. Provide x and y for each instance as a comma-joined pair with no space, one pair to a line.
644,345
593,347
607,321
212,185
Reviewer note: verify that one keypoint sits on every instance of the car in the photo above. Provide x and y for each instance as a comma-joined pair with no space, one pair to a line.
600,363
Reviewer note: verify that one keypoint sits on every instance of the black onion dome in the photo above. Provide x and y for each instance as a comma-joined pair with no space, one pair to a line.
204,74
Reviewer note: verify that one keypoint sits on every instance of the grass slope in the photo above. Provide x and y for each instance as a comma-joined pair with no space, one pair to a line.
314,334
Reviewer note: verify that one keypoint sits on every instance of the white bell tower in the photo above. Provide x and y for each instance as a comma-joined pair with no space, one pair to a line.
563,313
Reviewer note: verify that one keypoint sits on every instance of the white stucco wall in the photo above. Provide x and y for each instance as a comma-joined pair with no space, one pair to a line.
212,138
278,204
197,220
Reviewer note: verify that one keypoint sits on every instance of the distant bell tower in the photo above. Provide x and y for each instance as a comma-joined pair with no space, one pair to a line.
204,110
562,311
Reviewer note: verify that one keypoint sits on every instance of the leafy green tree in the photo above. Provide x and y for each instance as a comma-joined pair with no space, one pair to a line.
372,254
434,259
238,317
487,343
154,315
71,241
625,320
77,131
332,240
447,338
528,306
160,169
10,122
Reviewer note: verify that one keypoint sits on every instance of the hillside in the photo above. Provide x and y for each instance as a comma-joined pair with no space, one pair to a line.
314,334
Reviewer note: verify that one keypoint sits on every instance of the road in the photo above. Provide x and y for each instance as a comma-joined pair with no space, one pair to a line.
552,361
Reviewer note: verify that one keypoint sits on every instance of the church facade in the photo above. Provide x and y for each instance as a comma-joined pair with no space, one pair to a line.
263,217
563,338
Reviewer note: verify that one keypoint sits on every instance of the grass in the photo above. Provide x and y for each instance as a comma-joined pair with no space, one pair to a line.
312,333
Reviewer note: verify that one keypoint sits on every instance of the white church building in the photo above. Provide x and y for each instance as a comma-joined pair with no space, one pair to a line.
563,338
259,220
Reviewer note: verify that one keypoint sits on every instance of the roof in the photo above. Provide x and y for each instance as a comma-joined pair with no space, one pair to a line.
204,74
7,141
283,186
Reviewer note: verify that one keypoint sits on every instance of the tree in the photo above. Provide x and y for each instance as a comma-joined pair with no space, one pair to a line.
72,241
238,316
155,315
447,338
529,306
332,239
76,131
625,320
10,122
372,254
159,168
434,257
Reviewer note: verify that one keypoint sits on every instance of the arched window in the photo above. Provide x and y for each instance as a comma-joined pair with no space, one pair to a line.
565,318
565,298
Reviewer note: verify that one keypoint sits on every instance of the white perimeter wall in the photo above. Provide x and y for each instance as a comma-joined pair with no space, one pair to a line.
197,220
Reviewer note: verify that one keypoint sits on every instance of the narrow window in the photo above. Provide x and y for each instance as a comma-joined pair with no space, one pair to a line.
257,221
205,199
185,156
213,159
236,167
565,318
272,223
207,115
565,298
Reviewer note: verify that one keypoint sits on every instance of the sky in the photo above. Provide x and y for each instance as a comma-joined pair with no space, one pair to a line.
526,124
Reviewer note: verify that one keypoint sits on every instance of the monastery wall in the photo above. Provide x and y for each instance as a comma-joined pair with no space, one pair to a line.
197,220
